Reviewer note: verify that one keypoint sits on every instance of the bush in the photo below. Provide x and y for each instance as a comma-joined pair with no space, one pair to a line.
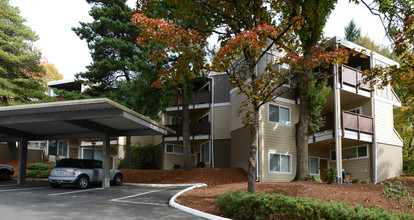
330,175
33,173
37,166
139,156
243,205
44,174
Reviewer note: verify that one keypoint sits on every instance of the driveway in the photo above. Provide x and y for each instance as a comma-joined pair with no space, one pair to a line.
37,200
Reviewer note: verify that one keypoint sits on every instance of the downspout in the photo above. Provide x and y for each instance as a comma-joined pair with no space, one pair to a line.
257,143
212,121
371,60
336,129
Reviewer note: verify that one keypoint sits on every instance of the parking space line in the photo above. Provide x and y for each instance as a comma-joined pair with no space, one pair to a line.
72,192
22,189
140,194
141,203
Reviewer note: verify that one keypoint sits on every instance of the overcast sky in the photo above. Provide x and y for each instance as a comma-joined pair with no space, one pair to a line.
52,21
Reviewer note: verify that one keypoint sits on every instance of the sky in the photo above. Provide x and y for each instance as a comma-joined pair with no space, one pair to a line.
52,21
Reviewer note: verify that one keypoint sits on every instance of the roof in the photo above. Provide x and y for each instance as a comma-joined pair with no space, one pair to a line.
74,119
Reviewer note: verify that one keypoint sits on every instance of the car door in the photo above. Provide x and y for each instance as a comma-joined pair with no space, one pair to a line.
97,171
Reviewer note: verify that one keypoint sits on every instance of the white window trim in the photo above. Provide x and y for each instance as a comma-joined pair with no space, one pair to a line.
209,152
357,108
90,148
273,122
57,150
208,113
319,165
37,148
279,172
356,148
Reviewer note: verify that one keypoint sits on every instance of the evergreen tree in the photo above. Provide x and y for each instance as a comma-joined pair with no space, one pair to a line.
351,31
20,70
118,62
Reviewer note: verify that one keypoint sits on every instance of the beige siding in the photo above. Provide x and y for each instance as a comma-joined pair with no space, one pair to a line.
239,150
4,152
389,161
222,122
159,156
277,138
171,159
359,168
142,140
236,101
384,122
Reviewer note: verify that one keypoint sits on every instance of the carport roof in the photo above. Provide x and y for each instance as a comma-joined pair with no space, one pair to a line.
74,119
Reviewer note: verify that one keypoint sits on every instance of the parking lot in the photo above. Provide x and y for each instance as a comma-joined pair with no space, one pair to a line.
37,200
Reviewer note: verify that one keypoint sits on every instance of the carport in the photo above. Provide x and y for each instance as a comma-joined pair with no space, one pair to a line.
88,118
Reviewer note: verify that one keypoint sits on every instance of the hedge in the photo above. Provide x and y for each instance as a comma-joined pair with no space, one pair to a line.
37,166
243,205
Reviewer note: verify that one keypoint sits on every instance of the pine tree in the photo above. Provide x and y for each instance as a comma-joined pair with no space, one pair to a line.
351,31
20,70
118,62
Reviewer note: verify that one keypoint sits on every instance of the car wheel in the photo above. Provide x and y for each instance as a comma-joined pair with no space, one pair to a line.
118,180
4,175
83,182
55,185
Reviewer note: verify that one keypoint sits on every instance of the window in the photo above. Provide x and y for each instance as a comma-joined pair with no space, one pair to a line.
357,110
176,149
174,120
87,154
279,114
204,118
279,163
58,147
313,166
35,145
205,152
206,87
350,153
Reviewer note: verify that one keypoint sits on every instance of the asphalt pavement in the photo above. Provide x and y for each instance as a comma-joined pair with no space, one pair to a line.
37,200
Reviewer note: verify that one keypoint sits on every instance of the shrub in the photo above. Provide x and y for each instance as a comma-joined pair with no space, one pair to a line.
139,156
37,166
243,205
398,192
44,174
33,173
330,175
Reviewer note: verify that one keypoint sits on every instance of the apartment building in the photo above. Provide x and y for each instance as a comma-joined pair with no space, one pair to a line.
358,136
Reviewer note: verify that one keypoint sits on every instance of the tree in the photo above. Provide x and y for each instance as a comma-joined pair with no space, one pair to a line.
351,31
51,72
20,70
248,30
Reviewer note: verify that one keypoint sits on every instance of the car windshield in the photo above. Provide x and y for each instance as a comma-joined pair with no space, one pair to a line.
75,163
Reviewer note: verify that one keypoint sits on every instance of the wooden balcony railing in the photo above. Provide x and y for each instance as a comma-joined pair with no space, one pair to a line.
198,98
195,129
350,121
353,77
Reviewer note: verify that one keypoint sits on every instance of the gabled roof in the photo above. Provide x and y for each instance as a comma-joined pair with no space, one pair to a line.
74,119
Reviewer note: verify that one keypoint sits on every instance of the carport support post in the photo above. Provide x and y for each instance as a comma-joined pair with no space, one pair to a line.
21,178
105,157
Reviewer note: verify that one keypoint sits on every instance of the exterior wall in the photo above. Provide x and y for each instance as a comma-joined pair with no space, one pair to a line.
142,140
235,120
159,155
239,150
170,159
222,88
277,138
222,122
384,122
222,149
4,152
365,105
389,161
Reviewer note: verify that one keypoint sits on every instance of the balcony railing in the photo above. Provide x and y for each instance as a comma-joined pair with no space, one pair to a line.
353,77
197,98
361,124
195,129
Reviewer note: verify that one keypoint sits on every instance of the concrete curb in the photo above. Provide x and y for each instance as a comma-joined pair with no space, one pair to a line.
34,179
190,210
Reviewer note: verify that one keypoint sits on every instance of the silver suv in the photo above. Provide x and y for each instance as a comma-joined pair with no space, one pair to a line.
5,171
80,172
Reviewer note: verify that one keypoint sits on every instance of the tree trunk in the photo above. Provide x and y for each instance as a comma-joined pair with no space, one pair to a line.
186,133
302,171
128,153
251,172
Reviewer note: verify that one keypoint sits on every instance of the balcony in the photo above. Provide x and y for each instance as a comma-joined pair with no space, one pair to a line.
354,126
351,80
198,98
197,131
